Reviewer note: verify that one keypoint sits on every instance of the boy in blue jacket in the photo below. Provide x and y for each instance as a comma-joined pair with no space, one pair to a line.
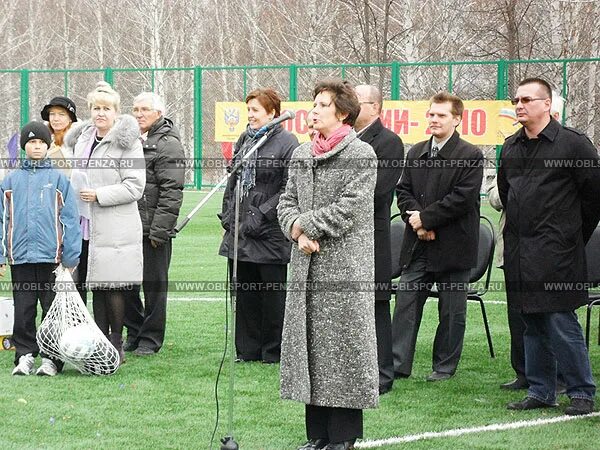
40,229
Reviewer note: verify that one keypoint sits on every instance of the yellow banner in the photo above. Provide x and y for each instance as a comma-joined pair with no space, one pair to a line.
484,122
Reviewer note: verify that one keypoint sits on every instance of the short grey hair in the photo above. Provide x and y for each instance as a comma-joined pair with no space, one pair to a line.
155,100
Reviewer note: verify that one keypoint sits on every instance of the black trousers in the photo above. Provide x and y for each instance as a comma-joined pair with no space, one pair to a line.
516,325
383,330
30,282
80,275
260,306
414,288
146,322
334,424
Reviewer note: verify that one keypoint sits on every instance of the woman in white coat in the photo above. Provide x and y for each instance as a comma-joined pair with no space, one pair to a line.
109,152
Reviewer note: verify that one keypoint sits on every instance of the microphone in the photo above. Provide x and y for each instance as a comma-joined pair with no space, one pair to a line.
273,123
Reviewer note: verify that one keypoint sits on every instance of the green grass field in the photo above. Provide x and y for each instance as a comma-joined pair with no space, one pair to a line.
167,401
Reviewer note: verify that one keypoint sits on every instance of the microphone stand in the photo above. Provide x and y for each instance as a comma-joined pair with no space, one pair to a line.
181,225
228,441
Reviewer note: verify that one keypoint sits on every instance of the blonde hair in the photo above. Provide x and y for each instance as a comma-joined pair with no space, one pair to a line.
104,94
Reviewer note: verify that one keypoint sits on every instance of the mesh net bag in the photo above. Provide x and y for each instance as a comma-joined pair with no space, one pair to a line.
69,333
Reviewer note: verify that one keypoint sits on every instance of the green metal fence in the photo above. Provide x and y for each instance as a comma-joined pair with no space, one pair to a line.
191,92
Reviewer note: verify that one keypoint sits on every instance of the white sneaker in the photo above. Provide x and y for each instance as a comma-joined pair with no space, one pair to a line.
48,368
25,366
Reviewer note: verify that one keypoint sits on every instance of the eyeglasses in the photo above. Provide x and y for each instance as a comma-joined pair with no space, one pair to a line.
525,100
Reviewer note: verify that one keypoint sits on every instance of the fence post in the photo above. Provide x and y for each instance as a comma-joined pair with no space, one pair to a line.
395,90
293,83
24,96
198,127
108,75
501,80
501,93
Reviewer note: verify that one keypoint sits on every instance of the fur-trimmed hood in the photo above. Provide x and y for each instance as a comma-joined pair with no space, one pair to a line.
123,133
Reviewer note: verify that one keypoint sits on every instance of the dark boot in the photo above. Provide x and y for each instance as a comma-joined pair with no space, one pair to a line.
116,339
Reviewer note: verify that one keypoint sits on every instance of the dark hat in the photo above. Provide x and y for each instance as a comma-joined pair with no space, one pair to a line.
63,102
35,130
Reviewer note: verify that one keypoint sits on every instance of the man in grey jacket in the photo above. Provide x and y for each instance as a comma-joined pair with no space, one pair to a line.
159,209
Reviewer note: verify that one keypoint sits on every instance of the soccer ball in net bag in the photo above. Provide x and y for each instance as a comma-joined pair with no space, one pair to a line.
78,342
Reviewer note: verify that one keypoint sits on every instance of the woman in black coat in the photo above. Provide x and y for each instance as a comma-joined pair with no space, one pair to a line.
263,250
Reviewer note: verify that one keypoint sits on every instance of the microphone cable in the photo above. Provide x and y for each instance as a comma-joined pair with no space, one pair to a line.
212,438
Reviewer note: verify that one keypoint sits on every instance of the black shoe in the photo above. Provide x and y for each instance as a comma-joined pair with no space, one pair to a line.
515,385
400,375
143,351
529,403
579,407
314,444
385,388
346,445
129,345
439,376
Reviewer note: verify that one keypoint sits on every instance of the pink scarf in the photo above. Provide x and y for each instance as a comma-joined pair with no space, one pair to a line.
322,145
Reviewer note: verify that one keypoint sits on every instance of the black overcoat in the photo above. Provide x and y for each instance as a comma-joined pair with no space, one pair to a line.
551,194
390,156
446,191
260,239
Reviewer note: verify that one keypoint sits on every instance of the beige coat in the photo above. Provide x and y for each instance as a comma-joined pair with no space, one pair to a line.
118,174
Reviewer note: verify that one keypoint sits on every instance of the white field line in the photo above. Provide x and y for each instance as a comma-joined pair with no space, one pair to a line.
196,299
462,431
440,434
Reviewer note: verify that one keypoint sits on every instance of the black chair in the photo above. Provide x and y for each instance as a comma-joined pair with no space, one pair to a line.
397,227
483,270
592,256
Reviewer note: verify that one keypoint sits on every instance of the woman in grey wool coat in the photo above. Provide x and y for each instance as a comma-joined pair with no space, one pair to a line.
329,352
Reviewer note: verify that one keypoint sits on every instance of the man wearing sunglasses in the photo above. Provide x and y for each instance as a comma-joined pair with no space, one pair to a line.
549,184
516,325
